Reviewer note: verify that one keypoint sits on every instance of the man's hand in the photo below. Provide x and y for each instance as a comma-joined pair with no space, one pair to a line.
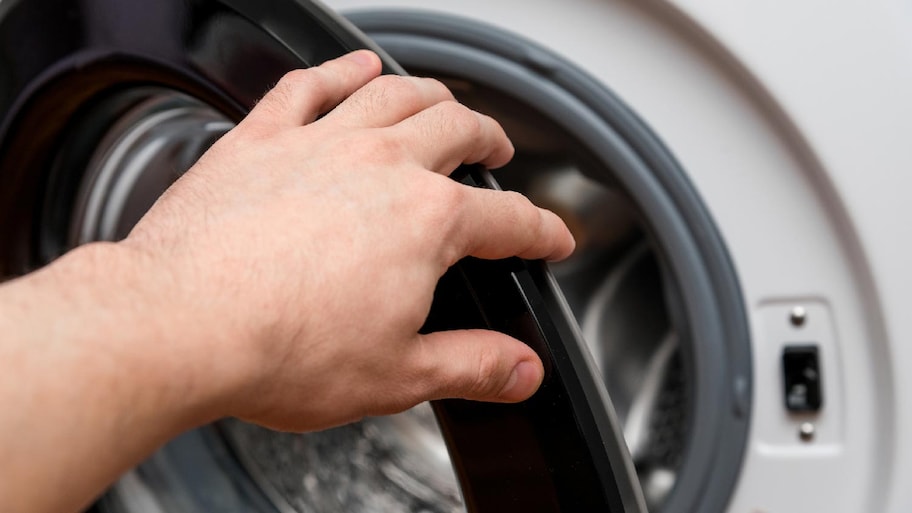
311,249
282,280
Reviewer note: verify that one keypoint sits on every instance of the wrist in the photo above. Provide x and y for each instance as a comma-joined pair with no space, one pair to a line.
137,314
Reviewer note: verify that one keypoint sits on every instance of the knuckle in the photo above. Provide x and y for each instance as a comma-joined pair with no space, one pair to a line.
486,381
436,88
436,191
387,89
448,196
311,81
437,84
518,199
297,75
424,374
459,117
314,81
436,215
393,83
446,200
280,97
523,211
380,148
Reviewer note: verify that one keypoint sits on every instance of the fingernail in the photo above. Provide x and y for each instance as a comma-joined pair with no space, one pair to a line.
361,57
523,382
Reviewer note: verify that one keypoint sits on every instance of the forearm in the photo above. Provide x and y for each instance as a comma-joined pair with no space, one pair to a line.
93,378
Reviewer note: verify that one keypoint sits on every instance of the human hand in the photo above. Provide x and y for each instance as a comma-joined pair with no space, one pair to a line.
301,254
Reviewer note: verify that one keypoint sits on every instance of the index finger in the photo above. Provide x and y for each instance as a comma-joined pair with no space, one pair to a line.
500,224
303,94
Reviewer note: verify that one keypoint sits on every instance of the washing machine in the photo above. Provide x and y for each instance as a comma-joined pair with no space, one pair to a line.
788,122
728,335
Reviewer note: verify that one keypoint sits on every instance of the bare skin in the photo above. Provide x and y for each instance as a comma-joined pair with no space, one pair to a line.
282,280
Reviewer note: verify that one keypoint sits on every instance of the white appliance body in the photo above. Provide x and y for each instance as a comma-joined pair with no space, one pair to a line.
791,121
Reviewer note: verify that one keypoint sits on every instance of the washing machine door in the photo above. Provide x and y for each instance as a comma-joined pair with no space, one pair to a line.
104,102
564,443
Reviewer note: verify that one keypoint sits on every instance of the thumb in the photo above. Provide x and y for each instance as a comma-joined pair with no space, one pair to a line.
480,365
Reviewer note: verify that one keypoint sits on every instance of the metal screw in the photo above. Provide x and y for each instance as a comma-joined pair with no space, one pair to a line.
806,432
798,316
